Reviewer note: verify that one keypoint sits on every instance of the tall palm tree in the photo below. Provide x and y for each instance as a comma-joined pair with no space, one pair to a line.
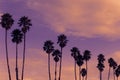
48,47
56,54
80,63
83,72
114,68
86,57
17,38
100,65
6,23
62,41
74,54
25,23
111,64
117,72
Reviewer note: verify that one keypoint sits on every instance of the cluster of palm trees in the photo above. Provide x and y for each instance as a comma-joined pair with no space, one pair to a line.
112,64
17,36
79,60
56,53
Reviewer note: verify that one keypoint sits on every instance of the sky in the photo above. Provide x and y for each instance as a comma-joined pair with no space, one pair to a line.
88,24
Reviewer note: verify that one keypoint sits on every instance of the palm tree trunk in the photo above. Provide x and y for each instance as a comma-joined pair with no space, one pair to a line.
49,67
55,70
86,70
60,66
7,58
100,75
23,63
75,70
109,74
83,78
117,78
16,69
79,73
114,74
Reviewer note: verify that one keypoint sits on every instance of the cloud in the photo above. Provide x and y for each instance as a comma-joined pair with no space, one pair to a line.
80,17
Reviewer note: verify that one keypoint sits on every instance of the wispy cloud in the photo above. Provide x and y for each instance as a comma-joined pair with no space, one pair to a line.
81,18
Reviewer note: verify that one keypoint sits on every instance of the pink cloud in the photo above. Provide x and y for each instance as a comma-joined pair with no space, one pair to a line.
81,18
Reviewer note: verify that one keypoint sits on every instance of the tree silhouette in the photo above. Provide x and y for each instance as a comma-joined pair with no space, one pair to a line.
6,23
62,41
17,38
25,23
117,72
74,54
48,47
56,54
83,72
111,64
80,63
86,57
100,65
114,67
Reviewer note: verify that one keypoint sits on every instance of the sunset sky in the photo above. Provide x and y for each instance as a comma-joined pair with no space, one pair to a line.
88,24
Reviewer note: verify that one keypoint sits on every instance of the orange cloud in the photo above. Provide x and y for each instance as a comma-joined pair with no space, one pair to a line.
81,18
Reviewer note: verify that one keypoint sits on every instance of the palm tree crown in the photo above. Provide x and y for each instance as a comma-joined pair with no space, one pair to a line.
56,54
7,21
48,46
80,60
101,60
26,23
83,72
114,65
17,36
111,62
117,71
62,40
75,52
86,55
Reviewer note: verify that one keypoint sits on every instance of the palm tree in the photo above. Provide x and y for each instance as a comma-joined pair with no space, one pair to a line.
62,41
48,47
114,68
56,54
86,57
111,64
74,54
25,23
17,38
117,72
100,65
6,23
83,72
80,63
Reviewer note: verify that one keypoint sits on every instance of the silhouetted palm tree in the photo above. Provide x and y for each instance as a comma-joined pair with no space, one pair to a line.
117,72
83,72
48,47
100,65
111,64
74,54
7,22
114,68
80,63
56,54
86,57
62,41
25,23
17,38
